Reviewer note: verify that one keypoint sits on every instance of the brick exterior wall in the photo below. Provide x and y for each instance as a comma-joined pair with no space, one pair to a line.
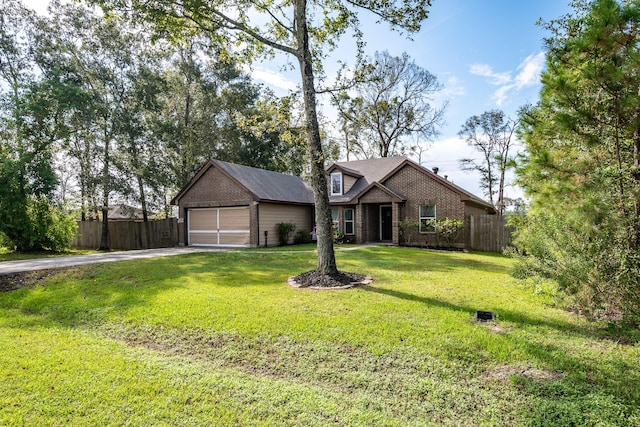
421,189
376,195
360,225
214,189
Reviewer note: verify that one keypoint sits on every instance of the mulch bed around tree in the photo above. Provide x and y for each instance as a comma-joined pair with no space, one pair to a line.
315,280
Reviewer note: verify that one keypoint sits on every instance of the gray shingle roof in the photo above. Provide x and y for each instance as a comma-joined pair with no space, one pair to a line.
377,170
374,170
370,171
268,185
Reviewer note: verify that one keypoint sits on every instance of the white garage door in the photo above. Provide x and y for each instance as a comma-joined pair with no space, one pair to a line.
219,226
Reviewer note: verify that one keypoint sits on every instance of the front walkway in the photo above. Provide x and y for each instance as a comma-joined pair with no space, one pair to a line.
10,267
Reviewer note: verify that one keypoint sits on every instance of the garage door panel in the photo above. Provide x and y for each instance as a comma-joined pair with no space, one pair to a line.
233,239
234,219
219,226
203,238
205,219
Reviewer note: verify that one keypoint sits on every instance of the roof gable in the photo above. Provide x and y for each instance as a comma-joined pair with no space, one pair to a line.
264,185
346,171
380,170
396,196
269,185
374,170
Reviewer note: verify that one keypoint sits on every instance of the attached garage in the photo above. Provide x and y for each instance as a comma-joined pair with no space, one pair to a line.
219,226
226,204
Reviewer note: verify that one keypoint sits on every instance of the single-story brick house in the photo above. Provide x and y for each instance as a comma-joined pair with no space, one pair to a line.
232,205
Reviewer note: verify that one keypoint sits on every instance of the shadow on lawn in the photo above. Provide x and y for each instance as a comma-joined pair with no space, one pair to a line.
580,380
90,294
97,293
432,260
502,314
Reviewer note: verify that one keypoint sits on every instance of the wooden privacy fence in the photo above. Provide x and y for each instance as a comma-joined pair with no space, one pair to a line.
127,235
488,233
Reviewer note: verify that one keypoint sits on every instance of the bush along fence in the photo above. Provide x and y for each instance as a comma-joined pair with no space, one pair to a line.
128,235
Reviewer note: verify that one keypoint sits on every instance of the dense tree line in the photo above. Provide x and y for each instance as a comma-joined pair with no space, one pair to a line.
100,110
303,31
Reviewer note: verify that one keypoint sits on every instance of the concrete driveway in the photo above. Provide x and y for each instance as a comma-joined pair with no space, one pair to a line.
10,267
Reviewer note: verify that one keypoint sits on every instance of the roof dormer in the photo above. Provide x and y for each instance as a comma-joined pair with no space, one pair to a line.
341,179
336,184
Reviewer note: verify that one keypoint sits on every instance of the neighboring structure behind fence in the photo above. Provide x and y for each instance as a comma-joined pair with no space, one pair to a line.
129,234
488,233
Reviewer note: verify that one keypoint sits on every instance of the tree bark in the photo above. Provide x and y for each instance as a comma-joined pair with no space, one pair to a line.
326,254
104,240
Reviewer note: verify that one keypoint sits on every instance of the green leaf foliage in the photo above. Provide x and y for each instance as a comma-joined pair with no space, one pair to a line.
582,170
285,231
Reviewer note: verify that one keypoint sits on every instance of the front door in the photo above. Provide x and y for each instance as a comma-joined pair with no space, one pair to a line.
386,230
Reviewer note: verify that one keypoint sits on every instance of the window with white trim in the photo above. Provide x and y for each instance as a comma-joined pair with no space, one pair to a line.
349,221
336,184
427,214
335,218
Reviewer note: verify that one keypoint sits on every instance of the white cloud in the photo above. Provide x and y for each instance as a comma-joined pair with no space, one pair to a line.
272,78
485,70
528,75
501,94
530,70
453,88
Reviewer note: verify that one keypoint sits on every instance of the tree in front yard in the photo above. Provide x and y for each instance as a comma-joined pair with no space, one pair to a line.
305,31
582,170
33,109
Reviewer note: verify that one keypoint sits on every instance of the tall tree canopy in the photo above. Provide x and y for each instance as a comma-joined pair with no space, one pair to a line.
211,109
393,100
32,120
95,107
302,29
491,135
583,167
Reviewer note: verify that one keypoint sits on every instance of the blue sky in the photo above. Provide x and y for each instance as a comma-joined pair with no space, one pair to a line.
487,53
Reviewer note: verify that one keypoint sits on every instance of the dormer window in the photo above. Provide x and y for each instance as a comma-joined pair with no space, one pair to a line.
336,184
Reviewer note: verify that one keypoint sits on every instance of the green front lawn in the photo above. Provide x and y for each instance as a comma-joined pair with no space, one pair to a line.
220,339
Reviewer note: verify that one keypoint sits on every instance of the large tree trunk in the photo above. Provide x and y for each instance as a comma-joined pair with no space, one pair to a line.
143,199
326,255
500,205
104,240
